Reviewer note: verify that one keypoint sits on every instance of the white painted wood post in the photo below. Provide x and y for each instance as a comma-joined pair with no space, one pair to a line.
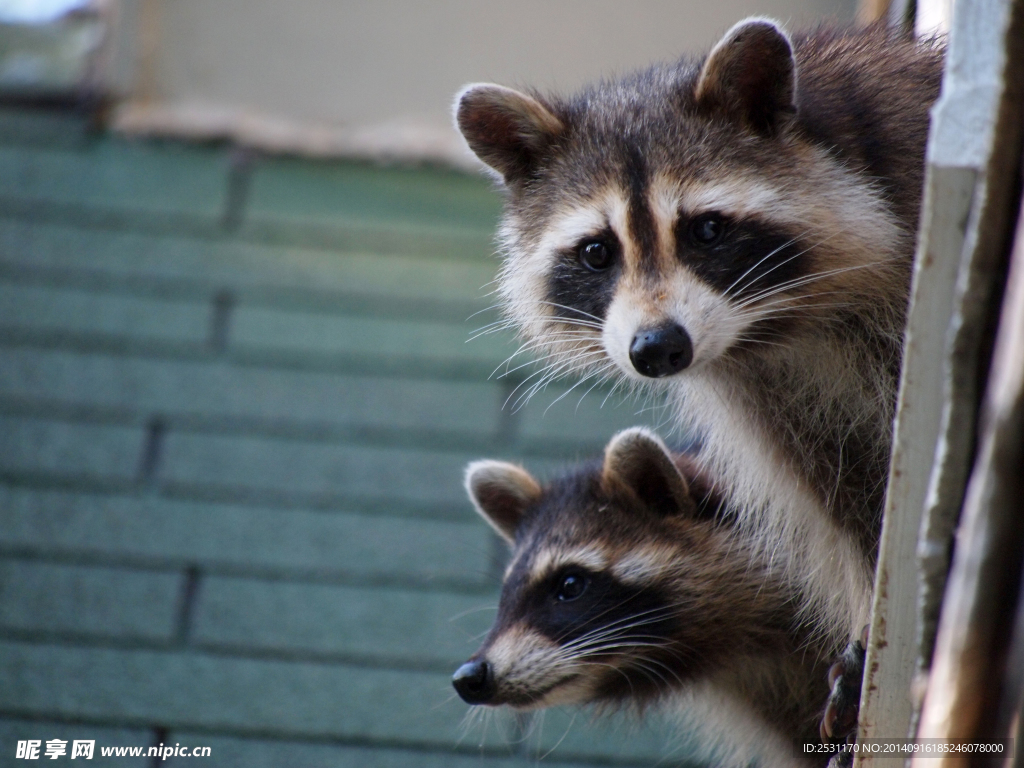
972,154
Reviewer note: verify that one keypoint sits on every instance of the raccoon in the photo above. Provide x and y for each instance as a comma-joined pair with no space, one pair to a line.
627,587
735,232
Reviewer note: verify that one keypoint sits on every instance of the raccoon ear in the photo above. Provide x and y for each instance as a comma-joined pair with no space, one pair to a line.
637,459
501,492
751,75
506,129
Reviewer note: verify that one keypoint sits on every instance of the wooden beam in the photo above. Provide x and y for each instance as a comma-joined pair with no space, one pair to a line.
968,696
970,162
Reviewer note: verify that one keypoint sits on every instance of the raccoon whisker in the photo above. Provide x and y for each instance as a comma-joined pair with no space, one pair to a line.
543,350
572,309
801,281
580,352
555,338
503,325
577,322
612,391
550,320
618,383
760,261
548,374
582,381
596,323
541,384
616,629
515,404
550,340
626,390
786,261
656,671
558,743
475,717
765,342
485,309
617,624
632,389
654,675
611,645
649,616
613,631
553,369
784,299
464,614
487,330
617,669
601,376
662,665
769,308
554,341
495,327
527,364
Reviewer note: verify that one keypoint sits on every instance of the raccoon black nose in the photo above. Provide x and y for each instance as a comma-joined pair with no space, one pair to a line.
474,682
661,351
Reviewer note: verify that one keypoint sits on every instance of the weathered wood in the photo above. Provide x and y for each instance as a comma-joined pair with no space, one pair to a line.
976,306
966,185
967,682
886,706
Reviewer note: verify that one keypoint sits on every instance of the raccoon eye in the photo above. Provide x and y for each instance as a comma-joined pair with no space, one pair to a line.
596,255
706,229
571,587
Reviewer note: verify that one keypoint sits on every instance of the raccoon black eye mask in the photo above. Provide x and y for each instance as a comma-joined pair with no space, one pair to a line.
736,232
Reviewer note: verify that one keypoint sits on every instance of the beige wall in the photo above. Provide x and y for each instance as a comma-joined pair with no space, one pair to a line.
378,76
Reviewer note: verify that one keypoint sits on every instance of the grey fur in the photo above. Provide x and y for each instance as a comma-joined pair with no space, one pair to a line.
834,123
682,610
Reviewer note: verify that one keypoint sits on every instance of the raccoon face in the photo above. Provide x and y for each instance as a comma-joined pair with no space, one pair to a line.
677,218
586,611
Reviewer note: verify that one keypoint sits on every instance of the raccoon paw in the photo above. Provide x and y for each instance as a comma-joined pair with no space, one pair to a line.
839,722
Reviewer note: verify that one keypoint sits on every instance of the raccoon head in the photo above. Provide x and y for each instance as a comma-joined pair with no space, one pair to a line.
677,217
615,589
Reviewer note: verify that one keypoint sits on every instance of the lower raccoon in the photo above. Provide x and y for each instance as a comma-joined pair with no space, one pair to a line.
627,587
737,232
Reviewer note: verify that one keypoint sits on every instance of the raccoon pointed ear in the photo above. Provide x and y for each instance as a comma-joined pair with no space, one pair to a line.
504,128
751,75
637,459
501,492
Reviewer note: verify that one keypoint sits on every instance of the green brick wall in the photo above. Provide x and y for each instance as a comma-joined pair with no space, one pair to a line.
236,398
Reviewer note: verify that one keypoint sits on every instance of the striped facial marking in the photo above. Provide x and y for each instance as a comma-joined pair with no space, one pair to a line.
727,253
676,252
588,611
646,565
580,285
549,561
643,226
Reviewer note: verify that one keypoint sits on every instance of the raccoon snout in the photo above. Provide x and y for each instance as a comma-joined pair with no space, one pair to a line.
474,682
659,352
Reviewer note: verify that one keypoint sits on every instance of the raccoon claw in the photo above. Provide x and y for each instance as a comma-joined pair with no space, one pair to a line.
839,722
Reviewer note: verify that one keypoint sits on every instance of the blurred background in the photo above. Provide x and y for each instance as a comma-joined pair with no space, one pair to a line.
242,256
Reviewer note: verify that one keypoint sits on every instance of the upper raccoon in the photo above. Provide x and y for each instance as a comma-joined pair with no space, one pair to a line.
737,231
625,586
